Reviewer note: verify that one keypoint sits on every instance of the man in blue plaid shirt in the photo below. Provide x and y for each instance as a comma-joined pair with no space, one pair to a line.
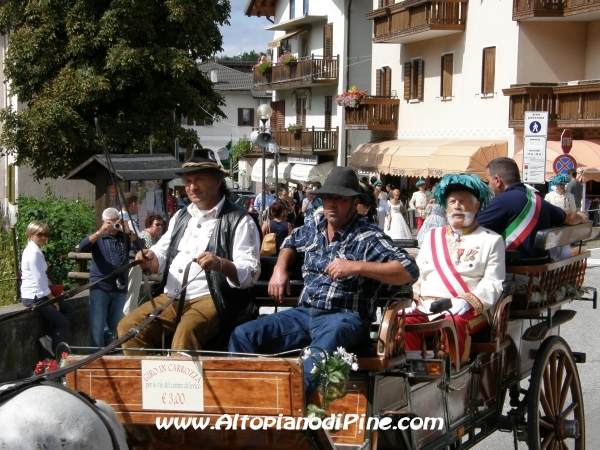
346,260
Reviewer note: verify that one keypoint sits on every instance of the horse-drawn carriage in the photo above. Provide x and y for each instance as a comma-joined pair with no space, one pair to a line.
397,399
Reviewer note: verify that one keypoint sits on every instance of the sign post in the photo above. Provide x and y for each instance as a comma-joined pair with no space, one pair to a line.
534,146
566,140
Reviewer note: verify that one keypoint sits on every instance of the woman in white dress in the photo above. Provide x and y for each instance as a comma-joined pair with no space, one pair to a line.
381,205
396,226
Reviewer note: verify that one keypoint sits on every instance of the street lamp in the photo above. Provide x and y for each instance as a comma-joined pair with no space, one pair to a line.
263,138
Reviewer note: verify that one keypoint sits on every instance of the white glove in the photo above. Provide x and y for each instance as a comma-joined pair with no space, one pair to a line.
411,309
459,306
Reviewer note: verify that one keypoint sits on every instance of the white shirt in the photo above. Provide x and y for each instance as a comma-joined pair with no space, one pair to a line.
246,251
34,281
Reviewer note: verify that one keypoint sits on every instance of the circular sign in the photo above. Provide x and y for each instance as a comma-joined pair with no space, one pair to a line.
566,141
535,127
564,164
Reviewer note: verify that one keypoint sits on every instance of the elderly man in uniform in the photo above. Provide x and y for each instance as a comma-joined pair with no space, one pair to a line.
214,244
346,260
462,261
418,202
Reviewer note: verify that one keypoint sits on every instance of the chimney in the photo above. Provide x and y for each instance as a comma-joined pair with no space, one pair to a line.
214,75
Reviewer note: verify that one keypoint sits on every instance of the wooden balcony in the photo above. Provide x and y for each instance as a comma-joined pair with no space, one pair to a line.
418,20
309,141
310,71
374,113
585,10
570,105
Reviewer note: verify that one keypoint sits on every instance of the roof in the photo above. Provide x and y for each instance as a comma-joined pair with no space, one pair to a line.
135,167
232,80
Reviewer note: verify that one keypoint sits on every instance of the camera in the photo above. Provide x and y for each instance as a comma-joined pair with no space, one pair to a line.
116,225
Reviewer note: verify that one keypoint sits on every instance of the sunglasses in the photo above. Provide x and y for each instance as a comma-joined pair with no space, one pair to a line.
43,234
159,225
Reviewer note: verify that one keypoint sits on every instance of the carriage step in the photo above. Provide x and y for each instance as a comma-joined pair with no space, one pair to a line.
538,332
580,357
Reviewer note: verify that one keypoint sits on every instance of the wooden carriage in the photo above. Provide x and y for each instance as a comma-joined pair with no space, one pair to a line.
391,383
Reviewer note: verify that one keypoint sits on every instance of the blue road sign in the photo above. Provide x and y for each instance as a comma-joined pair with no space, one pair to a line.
535,127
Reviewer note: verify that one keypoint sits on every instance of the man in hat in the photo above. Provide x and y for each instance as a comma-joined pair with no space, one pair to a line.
560,197
215,245
346,260
516,212
462,261
418,202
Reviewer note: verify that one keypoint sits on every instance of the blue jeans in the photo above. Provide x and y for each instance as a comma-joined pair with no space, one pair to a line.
59,318
300,327
106,310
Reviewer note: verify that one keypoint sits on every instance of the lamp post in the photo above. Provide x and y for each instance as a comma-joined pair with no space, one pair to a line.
264,112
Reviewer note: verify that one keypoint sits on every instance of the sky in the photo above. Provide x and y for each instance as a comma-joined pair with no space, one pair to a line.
245,33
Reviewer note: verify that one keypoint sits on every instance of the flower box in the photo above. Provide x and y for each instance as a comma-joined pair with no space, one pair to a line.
352,98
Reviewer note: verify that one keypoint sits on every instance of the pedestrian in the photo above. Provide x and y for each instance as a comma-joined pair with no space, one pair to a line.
153,231
35,287
129,211
575,187
418,202
396,226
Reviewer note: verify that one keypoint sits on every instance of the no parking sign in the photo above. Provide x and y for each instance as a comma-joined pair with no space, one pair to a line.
564,164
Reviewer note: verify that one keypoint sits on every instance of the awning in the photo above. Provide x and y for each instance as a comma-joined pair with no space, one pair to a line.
586,153
427,157
256,174
305,173
283,171
275,43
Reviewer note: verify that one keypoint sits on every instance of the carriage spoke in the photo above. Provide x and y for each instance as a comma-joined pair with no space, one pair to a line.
545,405
570,409
547,441
549,393
565,391
553,383
546,424
564,445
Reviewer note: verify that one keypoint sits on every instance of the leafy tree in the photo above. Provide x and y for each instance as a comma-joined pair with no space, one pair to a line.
246,56
133,65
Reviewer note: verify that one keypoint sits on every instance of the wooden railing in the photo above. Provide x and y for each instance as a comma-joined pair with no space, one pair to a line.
374,113
306,141
310,70
413,16
525,9
574,105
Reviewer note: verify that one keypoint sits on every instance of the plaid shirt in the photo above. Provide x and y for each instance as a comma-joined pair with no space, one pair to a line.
357,241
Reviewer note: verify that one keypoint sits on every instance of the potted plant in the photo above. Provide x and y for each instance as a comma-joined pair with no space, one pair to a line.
352,98
295,129
263,68
287,59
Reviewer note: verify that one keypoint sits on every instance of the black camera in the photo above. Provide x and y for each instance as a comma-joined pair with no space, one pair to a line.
116,225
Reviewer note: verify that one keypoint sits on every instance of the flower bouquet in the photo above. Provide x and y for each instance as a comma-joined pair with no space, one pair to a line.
352,98
45,366
287,58
332,372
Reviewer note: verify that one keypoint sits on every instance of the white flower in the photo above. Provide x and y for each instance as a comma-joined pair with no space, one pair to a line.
306,354
355,367
322,355
340,350
314,369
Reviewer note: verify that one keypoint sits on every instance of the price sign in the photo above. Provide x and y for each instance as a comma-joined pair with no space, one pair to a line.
172,385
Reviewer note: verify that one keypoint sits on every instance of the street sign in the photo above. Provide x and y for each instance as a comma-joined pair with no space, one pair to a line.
564,164
566,140
536,123
534,159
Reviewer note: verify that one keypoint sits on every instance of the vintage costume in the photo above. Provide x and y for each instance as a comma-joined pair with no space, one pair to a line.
398,228
565,201
418,202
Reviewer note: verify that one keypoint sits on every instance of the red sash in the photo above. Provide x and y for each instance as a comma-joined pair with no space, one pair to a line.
443,263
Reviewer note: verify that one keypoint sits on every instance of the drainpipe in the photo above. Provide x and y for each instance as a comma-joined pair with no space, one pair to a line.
344,149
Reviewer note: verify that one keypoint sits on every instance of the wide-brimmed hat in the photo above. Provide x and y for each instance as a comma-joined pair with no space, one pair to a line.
202,158
342,181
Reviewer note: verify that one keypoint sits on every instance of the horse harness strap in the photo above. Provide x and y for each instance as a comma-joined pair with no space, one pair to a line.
184,282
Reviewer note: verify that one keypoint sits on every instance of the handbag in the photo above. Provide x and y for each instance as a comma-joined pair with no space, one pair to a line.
268,246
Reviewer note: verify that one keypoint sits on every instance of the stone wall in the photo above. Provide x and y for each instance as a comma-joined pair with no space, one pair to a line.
20,350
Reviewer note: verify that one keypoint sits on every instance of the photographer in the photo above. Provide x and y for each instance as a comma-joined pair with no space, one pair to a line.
110,250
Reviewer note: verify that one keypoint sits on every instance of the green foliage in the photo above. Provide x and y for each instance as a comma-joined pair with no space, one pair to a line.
130,64
69,221
293,128
8,283
242,147
263,67
246,56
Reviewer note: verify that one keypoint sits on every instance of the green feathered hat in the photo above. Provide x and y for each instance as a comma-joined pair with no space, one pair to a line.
419,183
463,182
562,178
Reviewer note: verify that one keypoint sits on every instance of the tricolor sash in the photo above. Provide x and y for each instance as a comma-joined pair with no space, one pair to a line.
443,263
522,226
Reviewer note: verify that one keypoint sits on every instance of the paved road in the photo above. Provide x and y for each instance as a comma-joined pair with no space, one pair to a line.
583,335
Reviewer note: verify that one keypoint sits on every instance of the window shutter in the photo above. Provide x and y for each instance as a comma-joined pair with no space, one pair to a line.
299,111
278,117
378,82
489,69
240,117
388,81
251,117
447,69
328,110
420,80
380,4
328,40
407,71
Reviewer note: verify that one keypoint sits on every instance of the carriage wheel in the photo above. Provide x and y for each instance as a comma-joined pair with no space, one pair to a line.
555,418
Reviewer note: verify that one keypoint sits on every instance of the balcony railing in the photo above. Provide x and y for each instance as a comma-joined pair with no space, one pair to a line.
311,140
374,113
311,70
418,20
536,9
569,105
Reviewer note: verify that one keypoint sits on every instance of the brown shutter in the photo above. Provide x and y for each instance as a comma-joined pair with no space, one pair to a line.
328,40
380,4
388,81
407,71
278,117
240,117
251,117
378,82
328,110
447,68
420,80
489,69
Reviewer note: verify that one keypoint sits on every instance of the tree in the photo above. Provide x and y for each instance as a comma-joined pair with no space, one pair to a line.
133,65
246,56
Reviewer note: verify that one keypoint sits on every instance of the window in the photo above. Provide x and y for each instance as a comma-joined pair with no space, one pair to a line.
413,79
383,82
278,116
292,9
488,71
245,117
328,40
301,111
205,121
328,109
446,79
305,7
304,50
382,3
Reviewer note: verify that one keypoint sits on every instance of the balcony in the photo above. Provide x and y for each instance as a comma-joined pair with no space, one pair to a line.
309,141
418,20
309,71
374,113
585,10
570,105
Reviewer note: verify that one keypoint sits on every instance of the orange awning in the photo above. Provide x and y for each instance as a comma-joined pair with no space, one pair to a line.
586,153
